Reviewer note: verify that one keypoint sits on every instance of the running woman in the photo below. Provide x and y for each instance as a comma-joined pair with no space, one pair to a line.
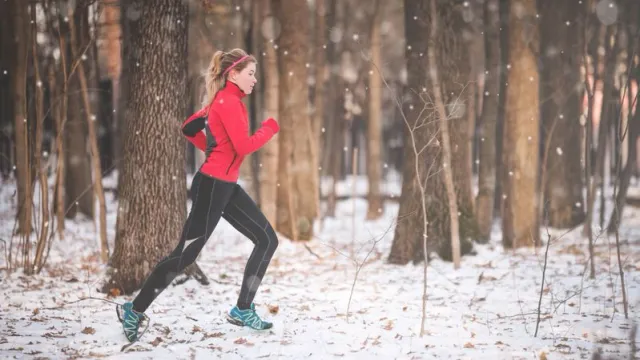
215,193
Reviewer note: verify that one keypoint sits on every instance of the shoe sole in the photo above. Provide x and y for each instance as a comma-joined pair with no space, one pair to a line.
234,321
237,322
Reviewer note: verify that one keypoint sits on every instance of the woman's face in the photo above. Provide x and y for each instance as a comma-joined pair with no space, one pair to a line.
246,78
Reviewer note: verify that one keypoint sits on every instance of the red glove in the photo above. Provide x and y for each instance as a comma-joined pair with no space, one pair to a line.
272,124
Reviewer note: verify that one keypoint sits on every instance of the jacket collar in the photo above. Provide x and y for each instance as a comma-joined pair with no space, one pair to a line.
233,89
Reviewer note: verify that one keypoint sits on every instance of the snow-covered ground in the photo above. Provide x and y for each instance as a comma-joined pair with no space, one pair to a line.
485,310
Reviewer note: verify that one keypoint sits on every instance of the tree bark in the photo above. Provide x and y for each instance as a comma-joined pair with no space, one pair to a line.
40,169
152,203
407,242
23,158
7,60
521,225
444,117
294,115
374,127
457,93
560,83
269,153
78,182
92,138
488,123
333,154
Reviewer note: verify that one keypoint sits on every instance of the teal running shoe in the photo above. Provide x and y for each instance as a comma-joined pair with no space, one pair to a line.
131,320
248,317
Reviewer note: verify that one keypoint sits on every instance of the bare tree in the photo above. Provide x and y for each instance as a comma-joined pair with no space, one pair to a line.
23,159
269,153
490,103
561,90
78,184
296,134
520,218
152,203
374,125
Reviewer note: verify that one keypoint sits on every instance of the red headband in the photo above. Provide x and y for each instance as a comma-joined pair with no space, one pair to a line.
234,64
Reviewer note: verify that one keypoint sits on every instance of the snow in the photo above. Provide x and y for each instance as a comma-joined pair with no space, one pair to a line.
487,309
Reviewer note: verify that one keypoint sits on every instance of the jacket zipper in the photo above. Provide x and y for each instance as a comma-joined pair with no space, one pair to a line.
234,159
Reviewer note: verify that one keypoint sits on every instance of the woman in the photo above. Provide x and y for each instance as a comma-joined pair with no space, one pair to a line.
215,192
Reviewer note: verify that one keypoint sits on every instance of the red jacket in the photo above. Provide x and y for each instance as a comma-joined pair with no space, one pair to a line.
226,140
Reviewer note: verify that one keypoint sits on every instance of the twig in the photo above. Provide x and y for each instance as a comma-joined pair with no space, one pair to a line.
311,251
544,270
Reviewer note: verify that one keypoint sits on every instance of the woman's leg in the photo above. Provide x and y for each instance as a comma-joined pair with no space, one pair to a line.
209,198
245,216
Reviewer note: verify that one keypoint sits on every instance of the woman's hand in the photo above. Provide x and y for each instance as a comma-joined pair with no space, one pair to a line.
272,124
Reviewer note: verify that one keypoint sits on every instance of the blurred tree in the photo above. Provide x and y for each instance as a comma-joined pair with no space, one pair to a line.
269,175
152,196
301,183
561,88
454,68
520,218
21,44
488,122
421,127
78,191
7,38
374,125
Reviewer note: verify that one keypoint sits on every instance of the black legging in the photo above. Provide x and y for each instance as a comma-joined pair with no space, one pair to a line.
211,199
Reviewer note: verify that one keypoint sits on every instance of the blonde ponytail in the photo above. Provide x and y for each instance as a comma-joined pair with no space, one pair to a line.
214,80
216,76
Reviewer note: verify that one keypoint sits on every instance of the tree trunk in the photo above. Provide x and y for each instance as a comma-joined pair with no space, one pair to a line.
269,153
78,182
408,241
21,121
625,176
608,89
40,170
374,127
7,60
152,203
630,132
112,33
455,73
320,71
521,225
490,103
560,80
294,115
93,142
333,154
444,116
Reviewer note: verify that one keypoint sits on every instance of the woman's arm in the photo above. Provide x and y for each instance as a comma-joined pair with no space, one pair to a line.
192,129
237,127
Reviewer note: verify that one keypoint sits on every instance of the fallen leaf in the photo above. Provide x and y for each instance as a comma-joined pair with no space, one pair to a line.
114,292
404,308
243,341
212,335
89,330
157,341
543,356
389,325
36,311
499,343
469,345
273,309
195,329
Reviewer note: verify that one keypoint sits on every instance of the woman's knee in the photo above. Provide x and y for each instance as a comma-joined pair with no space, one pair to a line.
271,239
